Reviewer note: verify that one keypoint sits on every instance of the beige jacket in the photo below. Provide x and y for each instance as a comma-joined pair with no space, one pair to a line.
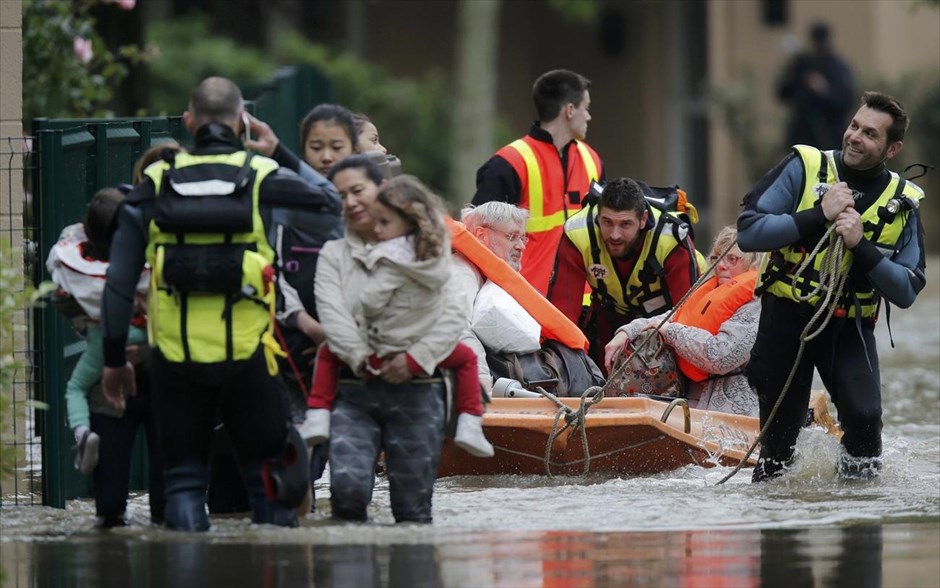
342,284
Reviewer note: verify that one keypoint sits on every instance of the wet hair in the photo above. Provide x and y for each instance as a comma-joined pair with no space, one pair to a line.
556,88
725,238
331,113
893,108
216,100
153,155
623,194
360,162
493,212
421,209
100,222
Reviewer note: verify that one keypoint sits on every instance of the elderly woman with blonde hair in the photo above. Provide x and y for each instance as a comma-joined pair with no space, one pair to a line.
712,332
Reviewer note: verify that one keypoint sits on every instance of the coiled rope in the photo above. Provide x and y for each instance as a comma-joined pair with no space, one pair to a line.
832,278
574,419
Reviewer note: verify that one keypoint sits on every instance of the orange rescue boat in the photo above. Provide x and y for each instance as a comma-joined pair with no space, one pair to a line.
625,436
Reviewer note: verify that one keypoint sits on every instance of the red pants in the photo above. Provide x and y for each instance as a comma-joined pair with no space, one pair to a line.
462,360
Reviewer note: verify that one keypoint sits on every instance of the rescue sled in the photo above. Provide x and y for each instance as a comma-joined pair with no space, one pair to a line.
625,436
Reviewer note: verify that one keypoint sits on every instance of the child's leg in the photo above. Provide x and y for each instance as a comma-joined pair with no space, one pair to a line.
464,363
325,378
468,403
111,477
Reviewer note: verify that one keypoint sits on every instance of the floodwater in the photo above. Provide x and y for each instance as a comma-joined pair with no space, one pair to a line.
808,528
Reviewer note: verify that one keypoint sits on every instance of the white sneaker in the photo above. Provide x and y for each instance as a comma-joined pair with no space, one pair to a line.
469,436
316,426
86,457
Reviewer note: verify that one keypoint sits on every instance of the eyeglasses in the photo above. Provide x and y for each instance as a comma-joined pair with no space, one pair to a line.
512,237
730,259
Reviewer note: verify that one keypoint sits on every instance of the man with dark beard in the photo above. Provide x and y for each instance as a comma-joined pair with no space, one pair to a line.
638,260
875,213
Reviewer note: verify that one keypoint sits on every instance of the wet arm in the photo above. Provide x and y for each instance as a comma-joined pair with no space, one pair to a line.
902,277
768,221
126,262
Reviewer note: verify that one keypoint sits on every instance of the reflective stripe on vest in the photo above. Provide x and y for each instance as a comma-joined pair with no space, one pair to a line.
639,296
207,327
886,241
709,307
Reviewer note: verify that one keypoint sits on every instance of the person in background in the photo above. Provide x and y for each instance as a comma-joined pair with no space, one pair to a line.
368,134
639,261
712,332
875,213
103,433
818,88
201,220
407,268
548,171
402,410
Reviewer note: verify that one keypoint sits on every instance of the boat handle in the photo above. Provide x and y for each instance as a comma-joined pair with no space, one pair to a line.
685,411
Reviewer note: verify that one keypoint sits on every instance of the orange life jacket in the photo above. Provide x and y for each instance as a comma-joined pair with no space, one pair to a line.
555,325
711,305
551,194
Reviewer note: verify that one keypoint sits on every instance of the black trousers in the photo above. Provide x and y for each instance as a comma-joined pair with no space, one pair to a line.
111,476
839,354
188,399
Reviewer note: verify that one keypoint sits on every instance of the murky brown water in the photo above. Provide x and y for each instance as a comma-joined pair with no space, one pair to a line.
675,529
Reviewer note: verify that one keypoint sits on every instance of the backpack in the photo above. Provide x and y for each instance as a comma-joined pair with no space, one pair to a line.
671,199
558,369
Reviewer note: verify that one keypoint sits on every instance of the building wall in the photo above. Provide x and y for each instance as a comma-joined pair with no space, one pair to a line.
11,114
882,40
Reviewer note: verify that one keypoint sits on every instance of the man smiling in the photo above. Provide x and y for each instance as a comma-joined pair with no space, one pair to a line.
875,213
638,260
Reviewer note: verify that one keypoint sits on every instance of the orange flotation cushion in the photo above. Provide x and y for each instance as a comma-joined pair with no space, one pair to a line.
555,325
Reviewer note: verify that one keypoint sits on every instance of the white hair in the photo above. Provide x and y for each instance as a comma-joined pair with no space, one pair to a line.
493,213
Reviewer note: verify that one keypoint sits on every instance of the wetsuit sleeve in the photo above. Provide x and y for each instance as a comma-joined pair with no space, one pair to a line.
497,180
902,277
566,291
769,220
126,262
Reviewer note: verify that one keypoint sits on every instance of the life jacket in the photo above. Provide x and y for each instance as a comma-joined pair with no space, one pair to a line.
879,225
212,291
644,292
555,325
551,194
709,306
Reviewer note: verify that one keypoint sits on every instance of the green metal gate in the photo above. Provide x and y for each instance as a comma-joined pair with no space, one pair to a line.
75,159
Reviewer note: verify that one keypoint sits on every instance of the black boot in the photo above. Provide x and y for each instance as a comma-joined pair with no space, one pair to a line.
186,497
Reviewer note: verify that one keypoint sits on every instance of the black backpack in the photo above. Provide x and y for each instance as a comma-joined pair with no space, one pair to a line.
555,367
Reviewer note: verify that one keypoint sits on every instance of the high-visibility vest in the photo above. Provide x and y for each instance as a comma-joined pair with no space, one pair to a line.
708,307
546,189
644,293
880,226
212,290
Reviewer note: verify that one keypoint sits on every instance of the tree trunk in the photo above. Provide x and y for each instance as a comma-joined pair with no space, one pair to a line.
477,47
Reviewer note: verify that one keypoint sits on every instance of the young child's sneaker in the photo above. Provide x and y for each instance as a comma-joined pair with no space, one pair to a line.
469,436
316,426
86,456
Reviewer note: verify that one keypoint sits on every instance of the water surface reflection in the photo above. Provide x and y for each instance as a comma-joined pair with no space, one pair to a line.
853,555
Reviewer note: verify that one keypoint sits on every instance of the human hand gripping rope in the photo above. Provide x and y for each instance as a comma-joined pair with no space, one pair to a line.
832,278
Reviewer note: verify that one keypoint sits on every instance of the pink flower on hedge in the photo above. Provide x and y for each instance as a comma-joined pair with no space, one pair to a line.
122,4
82,49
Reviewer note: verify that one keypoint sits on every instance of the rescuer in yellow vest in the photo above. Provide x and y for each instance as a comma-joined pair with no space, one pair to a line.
199,220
